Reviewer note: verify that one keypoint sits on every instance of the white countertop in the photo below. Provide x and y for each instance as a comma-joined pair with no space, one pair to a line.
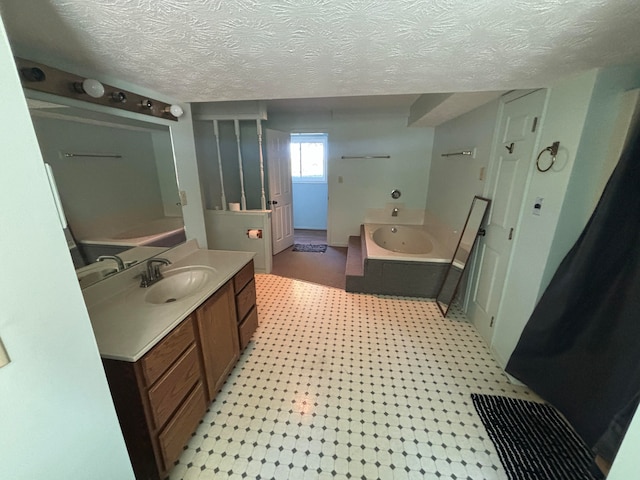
126,327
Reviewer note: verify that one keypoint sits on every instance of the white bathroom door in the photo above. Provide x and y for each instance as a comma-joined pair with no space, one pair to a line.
280,189
518,133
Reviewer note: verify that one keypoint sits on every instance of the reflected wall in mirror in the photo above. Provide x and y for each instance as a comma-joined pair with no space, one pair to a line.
117,185
468,240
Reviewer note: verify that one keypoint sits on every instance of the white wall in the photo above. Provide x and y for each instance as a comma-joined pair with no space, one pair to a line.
453,181
57,419
357,185
184,151
310,205
627,462
227,230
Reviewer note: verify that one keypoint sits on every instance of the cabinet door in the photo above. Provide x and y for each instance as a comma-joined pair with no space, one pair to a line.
218,336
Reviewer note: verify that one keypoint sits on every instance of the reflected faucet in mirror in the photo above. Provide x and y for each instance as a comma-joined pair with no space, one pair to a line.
118,260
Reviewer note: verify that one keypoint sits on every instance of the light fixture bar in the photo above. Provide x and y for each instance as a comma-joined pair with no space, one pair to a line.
43,78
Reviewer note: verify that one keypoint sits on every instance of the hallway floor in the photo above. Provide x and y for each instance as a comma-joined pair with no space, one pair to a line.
341,385
323,268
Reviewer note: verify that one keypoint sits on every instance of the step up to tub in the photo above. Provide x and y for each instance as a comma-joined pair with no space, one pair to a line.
354,270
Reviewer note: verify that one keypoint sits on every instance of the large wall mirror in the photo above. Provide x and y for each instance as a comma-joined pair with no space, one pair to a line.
116,180
462,254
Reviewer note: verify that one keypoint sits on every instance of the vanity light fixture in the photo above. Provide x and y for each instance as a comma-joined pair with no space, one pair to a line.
119,97
90,86
175,110
33,74
43,78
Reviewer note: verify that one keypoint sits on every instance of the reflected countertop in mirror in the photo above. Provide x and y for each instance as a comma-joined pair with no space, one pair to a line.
96,271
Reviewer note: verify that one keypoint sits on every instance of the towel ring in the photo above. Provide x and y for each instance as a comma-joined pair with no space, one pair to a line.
553,150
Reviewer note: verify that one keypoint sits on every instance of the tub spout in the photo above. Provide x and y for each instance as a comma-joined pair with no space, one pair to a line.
394,212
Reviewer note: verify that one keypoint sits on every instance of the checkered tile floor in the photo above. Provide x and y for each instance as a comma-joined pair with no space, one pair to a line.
338,385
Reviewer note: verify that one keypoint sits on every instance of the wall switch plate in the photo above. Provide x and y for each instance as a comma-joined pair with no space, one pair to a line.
4,356
481,176
537,206
183,197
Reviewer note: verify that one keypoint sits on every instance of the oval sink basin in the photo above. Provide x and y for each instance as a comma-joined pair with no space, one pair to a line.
179,283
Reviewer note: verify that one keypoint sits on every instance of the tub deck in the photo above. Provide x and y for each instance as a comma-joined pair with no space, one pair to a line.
391,276
354,270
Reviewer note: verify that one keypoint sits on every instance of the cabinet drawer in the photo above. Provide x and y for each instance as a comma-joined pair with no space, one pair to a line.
178,431
170,390
160,357
243,277
247,327
246,299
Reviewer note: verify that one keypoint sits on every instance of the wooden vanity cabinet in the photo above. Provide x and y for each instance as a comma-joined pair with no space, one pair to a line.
159,400
244,286
218,337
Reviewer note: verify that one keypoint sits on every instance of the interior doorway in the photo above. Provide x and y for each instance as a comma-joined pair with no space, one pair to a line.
308,170
309,177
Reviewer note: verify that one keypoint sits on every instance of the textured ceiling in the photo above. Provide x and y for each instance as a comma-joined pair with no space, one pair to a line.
209,50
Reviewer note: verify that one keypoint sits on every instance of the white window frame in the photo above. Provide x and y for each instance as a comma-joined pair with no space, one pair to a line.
312,138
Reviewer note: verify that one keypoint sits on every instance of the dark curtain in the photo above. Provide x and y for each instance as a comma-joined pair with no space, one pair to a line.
580,350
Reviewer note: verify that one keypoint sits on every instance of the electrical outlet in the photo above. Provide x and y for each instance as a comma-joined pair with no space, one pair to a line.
183,198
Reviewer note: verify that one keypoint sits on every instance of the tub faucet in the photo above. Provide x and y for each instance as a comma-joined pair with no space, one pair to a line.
394,212
118,260
153,274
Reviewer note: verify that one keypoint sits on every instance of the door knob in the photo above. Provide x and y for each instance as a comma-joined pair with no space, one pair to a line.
510,147
272,202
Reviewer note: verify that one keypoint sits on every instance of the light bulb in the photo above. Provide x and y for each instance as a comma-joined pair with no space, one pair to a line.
34,74
93,88
119,97
175,110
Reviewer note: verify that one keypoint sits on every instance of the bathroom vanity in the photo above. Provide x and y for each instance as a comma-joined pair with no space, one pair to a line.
166,359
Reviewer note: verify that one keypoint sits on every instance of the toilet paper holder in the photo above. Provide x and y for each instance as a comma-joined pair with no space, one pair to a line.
254,233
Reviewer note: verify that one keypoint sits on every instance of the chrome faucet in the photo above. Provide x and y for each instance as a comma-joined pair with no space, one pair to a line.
118,260
394,212
153,274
